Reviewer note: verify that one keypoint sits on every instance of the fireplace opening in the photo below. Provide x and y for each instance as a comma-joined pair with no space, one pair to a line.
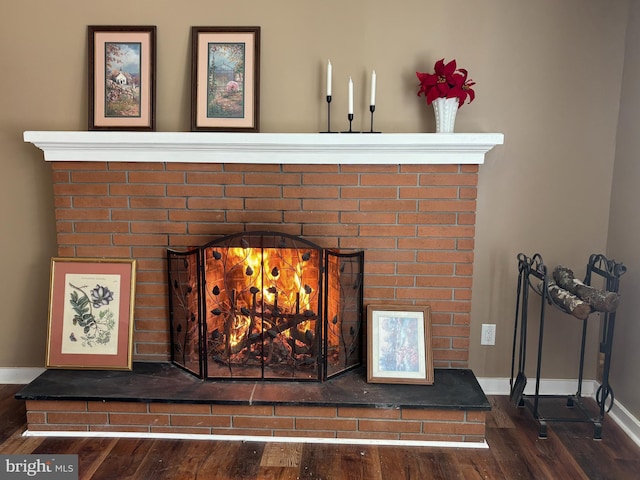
265,305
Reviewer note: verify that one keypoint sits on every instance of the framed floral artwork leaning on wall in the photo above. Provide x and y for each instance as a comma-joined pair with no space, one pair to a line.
225,78
91,302
122,77
399,344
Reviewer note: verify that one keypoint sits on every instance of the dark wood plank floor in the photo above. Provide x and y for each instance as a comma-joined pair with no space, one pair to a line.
515,452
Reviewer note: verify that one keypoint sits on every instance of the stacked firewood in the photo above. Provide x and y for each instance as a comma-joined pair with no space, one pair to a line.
577,298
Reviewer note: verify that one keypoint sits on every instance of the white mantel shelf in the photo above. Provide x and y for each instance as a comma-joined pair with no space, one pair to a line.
265,148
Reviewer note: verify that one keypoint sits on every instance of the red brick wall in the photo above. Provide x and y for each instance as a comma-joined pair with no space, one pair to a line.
415,223
258,420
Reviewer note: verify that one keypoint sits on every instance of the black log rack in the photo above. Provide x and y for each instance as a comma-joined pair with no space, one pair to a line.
533,276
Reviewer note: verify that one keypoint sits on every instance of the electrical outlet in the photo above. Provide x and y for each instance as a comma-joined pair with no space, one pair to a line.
488,334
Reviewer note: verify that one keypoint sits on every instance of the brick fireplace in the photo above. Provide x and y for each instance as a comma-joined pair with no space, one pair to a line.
408,201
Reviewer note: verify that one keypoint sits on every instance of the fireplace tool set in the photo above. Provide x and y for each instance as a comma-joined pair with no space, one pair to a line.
577,298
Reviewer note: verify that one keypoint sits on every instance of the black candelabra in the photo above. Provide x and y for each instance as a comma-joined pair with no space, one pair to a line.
350,117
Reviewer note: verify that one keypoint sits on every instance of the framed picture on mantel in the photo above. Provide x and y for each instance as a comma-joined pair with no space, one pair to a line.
91,303
122,77
225,78
399,344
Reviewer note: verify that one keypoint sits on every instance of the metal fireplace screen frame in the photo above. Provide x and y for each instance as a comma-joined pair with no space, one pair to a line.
264,305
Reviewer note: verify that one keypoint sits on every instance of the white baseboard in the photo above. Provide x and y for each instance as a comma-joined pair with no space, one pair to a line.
628,423
254,438
549,386
619,414
19,375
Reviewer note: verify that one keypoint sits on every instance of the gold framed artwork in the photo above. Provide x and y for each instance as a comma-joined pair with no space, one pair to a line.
225,78
91,302
122,77
399,344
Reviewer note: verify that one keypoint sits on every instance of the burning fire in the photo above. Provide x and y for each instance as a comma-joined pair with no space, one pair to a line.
286,310
258,286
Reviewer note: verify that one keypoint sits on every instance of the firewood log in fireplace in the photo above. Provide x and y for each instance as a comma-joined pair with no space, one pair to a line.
600,300
276,325
567,301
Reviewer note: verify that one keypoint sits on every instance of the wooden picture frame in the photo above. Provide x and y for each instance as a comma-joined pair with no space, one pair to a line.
225,79
122,77
91,302
399,344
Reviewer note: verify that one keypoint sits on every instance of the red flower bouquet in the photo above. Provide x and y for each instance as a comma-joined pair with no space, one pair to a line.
448,81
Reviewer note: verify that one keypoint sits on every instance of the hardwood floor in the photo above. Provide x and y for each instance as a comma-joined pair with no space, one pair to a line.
515,452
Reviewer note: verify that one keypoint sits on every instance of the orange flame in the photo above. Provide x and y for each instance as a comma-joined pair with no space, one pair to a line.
275,277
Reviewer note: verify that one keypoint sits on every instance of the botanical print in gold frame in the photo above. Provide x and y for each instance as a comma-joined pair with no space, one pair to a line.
399,344
91,302
225,78
122,77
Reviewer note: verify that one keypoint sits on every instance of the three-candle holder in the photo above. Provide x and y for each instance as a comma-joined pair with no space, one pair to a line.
372,109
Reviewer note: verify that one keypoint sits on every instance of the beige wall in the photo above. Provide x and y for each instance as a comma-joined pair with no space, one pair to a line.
548,76
624,225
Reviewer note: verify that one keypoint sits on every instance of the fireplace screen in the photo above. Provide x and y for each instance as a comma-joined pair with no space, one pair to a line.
262,305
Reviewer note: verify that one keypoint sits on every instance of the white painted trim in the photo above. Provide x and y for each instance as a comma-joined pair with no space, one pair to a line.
256,438
494,385
19,375
627,422
548,386
619,414
265,148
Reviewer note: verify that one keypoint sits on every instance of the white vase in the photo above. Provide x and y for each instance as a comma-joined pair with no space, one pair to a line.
445,110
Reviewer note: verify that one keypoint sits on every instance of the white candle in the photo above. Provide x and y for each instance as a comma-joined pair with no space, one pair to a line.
350,96
373,88
329,78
